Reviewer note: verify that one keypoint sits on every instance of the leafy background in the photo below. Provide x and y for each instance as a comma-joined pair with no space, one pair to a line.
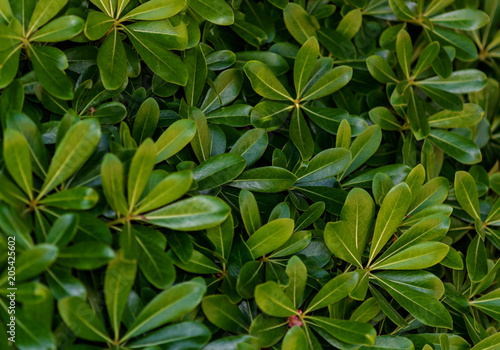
248,175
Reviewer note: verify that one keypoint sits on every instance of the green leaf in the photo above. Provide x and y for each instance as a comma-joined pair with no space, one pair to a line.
16,155
297,277
82,319
164,63
366,311
422,306
426,58
49,74
250,276
456,146
466,193
363,147
44,11
332,81
460,82
347,331
190,214
298,22
476,260
404,50
390,215
171,188
417,117
295,339
489,343
444,99
152,259
113,183
300,134
175,138
264,82
79,198
401,10
185,334
463,19
304,64
63,230
141,168
333,291
265,179
433,192
337,43
74,150
342,243
218,170
251,145
60,29
201,141
469,116
225,89
219,310
97,25
383,117
155,10
418,256
197,75
310,216
118,282
270,237
269,330
86,255
430,228
273,301
222,237
387,309
381,185
9,60
380,70
351,23
146,120
249,211
167,306
358,213
343,135
32,262
215,11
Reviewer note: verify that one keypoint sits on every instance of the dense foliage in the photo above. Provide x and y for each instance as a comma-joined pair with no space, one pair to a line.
244,174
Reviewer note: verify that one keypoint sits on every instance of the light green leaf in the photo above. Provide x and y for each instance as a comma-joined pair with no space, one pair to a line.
141,168
74,150
82,319
167,306
333,291
466,193
215,11
155,10
391,213
190,214
270,237
264,82
16,155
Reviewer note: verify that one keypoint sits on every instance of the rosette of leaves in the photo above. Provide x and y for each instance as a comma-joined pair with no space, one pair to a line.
238,265
414,221
157,28
133,322
313,79
405,91
437,25
27,25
